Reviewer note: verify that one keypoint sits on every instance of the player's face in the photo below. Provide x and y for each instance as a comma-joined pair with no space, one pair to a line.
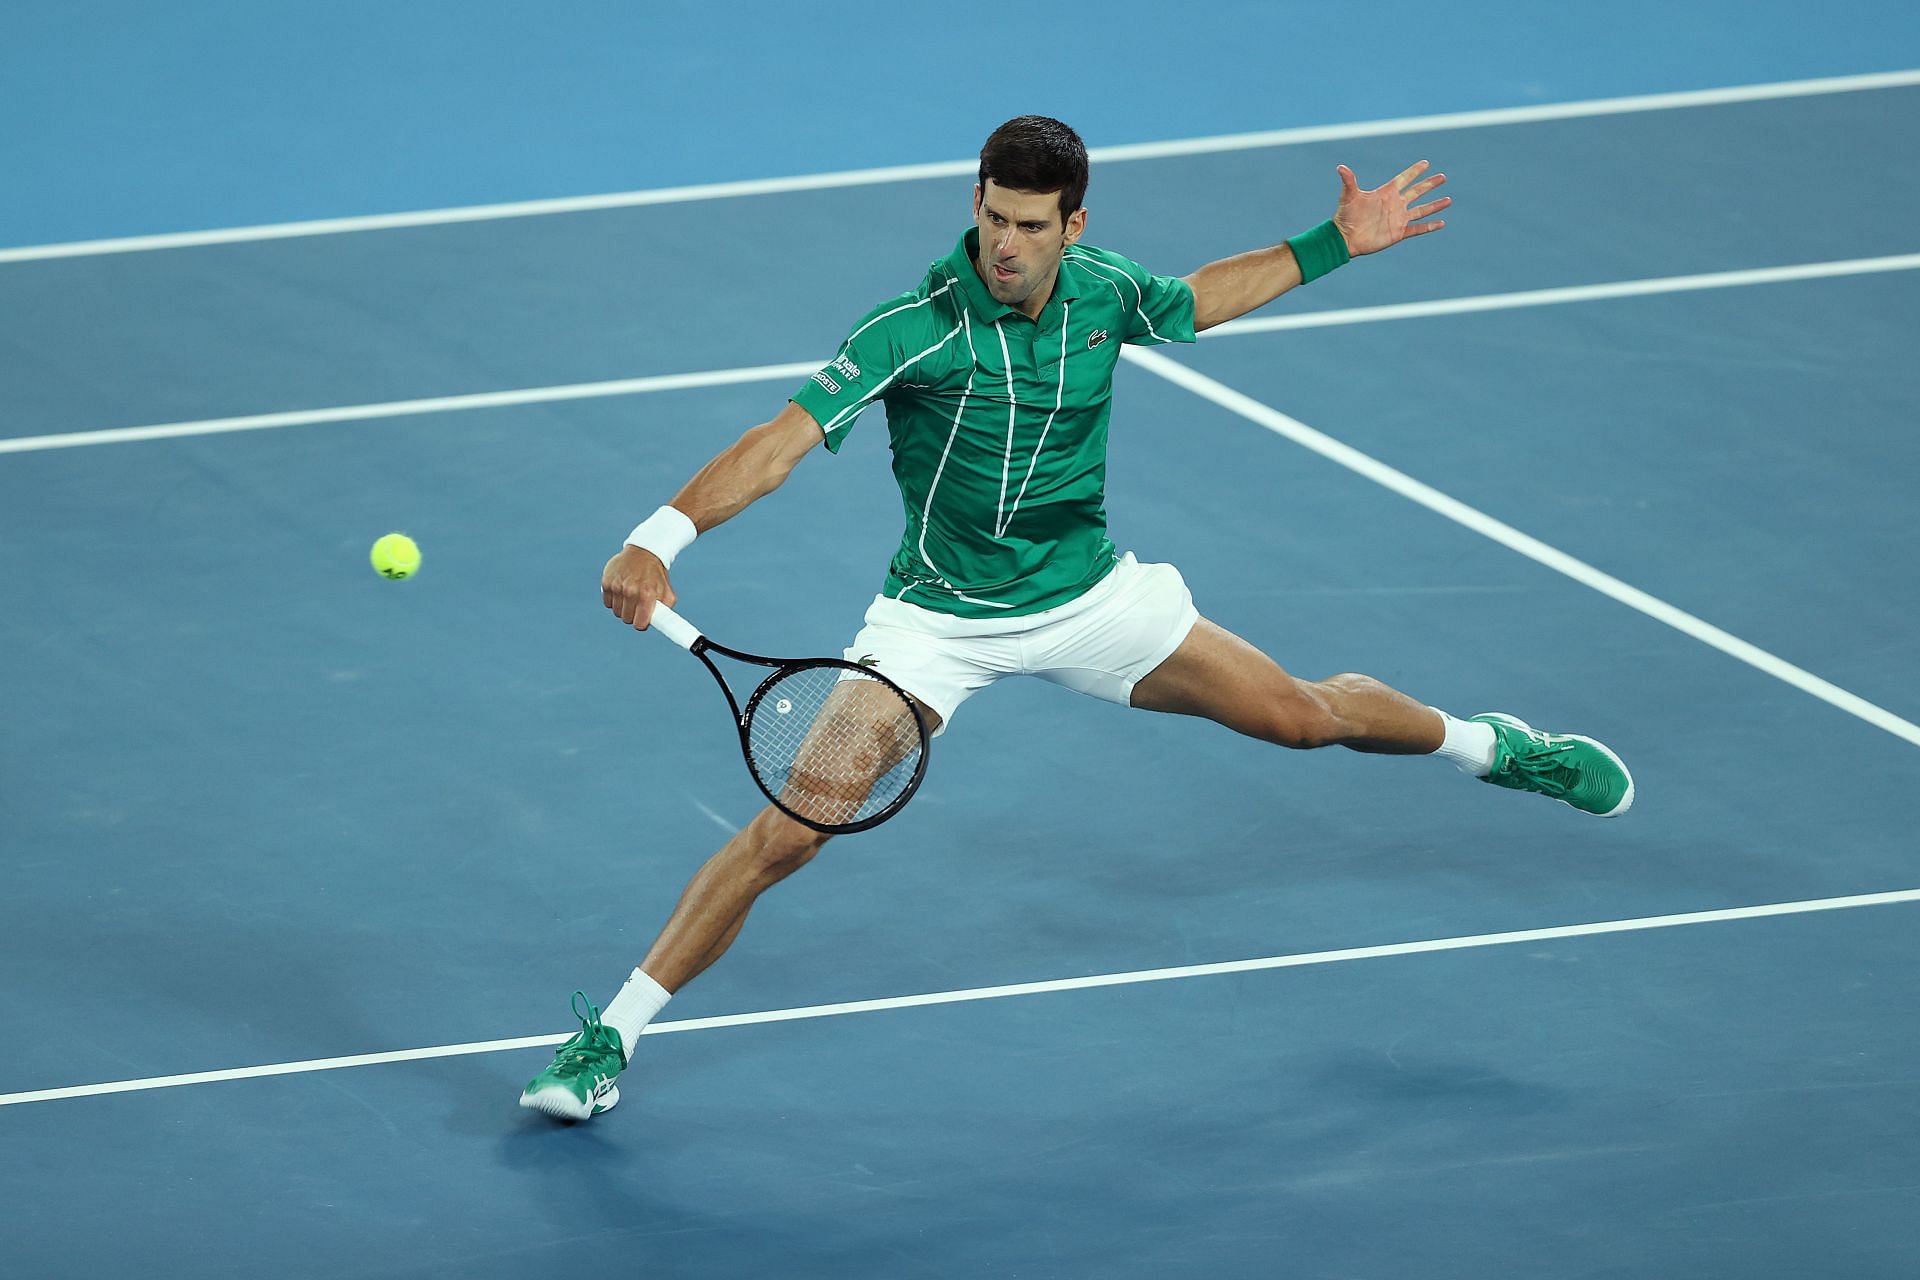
1021,239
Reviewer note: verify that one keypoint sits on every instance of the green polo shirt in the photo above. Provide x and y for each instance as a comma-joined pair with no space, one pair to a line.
998,424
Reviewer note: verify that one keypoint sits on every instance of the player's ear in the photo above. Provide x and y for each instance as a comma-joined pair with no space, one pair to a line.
976,202
1076,224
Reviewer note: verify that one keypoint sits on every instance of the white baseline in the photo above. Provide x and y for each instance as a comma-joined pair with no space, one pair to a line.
993,993
959,168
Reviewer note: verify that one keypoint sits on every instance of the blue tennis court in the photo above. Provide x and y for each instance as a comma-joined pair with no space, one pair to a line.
303,863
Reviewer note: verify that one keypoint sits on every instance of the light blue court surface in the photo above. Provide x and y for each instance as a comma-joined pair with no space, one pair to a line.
261,807
128,119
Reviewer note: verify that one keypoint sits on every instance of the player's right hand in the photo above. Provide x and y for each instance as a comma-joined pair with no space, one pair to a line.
632,583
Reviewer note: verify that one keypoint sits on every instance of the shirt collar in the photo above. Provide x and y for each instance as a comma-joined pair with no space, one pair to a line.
987,308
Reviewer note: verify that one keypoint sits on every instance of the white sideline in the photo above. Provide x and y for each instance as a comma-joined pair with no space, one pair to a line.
774,372
1508,536
990,993
958,168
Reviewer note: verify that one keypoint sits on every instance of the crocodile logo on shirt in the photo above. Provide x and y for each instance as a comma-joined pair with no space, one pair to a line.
1095,338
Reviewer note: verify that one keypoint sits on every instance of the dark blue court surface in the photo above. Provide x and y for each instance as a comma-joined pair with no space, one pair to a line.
261,807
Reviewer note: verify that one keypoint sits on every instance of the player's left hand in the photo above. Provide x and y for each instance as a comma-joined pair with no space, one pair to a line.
1374,220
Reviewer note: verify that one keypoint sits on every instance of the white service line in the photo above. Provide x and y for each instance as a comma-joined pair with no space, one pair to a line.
772,372
959,168
1569,293
401,408
1508,536
995,993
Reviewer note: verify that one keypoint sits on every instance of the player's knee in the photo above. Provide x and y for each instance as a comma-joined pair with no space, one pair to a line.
784,845
1301,720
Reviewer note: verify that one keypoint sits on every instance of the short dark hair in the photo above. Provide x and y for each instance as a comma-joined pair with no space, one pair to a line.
1037,153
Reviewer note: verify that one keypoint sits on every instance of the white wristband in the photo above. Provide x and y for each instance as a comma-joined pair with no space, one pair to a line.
666,533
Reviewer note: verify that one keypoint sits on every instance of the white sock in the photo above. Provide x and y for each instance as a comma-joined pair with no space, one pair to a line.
1469,744
639,1000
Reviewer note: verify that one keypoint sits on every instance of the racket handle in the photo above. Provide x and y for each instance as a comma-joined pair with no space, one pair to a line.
674,627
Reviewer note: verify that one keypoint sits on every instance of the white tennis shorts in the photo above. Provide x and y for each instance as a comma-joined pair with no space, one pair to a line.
1102,643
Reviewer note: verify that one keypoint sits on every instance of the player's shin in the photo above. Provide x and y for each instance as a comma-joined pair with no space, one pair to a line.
715,903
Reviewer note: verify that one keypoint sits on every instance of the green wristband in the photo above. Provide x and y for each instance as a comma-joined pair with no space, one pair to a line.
1319,251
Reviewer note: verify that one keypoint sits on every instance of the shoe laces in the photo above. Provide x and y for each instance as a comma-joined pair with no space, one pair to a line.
1543,761
591,1043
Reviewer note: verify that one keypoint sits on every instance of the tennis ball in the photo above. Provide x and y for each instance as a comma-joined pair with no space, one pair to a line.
396,556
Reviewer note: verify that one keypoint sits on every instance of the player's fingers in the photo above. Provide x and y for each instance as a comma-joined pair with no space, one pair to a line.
1409,173
1347,181
1419,189
643,616
1421,228
1428,209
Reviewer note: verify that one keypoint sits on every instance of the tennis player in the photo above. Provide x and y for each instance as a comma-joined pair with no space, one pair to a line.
996,371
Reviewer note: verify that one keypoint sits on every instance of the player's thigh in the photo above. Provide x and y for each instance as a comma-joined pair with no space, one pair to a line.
1108,641
937,672
1216,674
863,730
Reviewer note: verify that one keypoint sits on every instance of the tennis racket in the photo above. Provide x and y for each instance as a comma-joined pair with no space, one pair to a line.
836,746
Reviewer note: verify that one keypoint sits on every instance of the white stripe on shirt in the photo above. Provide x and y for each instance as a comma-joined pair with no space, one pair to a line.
1059,397
867,399
926,511
1139,297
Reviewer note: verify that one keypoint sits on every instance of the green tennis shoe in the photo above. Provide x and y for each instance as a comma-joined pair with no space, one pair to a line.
578,1084
1572,769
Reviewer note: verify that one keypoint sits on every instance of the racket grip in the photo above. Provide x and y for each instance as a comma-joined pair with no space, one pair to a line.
674,627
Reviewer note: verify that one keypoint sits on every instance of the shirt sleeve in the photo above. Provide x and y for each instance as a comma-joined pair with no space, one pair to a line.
866,365
1158,308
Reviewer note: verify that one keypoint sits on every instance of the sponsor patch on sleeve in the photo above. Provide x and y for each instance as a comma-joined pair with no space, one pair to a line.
833,388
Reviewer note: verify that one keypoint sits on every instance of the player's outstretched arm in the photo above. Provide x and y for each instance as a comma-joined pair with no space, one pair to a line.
1364,222
751,468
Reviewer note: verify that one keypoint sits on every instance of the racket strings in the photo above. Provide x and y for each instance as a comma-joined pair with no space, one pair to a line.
835,745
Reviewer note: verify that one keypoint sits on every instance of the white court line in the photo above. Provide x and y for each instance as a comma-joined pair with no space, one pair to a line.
993,993
772,372
1508,536
958,168
401,408
1570,293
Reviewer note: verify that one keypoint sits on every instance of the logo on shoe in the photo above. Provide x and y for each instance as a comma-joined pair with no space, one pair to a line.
602,1085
